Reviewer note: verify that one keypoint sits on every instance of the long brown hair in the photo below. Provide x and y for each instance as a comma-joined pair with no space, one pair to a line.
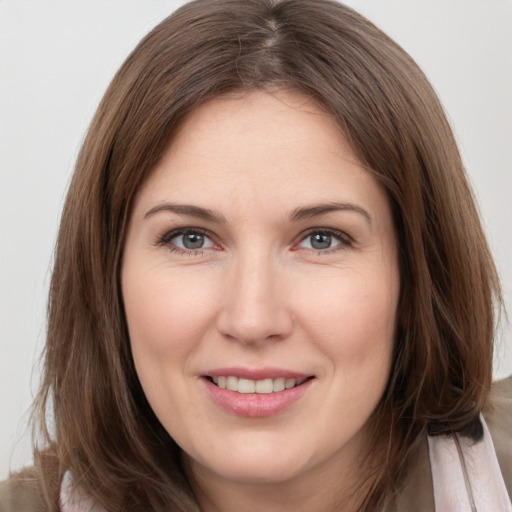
102,427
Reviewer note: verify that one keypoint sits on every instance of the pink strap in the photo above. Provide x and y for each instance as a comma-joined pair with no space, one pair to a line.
466,475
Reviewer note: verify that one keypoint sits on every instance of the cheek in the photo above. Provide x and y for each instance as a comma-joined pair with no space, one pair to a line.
353,317
166,311
167,314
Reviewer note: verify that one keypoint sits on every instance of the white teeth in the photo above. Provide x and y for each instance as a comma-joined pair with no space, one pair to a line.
263,387
290,383
232,383
279,384
246,386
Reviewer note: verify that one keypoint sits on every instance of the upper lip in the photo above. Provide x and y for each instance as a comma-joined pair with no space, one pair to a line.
256,373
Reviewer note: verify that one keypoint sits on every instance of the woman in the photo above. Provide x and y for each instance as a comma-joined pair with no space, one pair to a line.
271,288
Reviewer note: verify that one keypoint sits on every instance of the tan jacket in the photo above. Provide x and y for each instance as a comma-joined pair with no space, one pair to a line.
21,494
418,495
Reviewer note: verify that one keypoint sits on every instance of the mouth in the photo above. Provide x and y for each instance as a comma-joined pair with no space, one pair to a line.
262,387
256,393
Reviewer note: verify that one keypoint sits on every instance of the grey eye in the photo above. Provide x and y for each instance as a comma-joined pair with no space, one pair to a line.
191,240
320,241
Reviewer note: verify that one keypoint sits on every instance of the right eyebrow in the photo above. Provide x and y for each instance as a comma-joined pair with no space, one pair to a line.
188,210
316,210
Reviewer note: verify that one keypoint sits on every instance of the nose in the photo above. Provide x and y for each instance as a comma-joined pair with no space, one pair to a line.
254,303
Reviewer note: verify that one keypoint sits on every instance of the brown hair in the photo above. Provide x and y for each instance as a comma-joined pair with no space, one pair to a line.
104,429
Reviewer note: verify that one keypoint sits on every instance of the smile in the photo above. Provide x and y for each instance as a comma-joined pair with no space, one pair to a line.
262,396
264,386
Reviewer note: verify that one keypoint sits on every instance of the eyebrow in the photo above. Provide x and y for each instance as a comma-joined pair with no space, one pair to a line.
308,212
189,210
301,213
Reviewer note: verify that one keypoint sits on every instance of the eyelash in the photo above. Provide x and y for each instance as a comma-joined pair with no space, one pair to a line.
165,240
345,241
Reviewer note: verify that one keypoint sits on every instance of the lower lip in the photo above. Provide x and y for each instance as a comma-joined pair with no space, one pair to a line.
256,405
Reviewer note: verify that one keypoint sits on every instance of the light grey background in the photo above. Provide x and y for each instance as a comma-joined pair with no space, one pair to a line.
56,59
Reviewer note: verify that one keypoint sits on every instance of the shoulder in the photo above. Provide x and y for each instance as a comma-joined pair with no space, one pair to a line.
21,493
498,416
417,491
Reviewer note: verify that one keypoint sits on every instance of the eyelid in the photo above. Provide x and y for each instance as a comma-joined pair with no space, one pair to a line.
342,237
168,235
166,238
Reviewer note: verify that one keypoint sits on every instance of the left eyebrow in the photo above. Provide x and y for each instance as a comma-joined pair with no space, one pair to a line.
307,212
188,210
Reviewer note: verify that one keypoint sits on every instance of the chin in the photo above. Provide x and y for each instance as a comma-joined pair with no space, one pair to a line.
269,471
260,465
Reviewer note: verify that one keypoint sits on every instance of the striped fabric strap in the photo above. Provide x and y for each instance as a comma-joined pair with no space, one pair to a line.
466,475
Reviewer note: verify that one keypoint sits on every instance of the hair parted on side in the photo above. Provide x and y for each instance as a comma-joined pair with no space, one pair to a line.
103,428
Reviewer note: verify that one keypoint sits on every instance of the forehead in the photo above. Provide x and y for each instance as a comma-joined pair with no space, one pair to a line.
285,119
275,148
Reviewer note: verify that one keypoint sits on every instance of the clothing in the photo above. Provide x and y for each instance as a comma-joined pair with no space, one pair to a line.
417,493
466,475
21,494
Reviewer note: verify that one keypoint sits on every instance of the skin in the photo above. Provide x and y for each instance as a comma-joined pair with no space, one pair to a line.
260,293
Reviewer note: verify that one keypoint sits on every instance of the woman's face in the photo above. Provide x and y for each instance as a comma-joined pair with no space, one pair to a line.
260,282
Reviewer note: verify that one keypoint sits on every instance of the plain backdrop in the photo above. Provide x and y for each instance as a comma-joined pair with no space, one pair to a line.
57,58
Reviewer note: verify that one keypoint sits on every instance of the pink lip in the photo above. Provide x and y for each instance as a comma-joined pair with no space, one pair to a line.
255,405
